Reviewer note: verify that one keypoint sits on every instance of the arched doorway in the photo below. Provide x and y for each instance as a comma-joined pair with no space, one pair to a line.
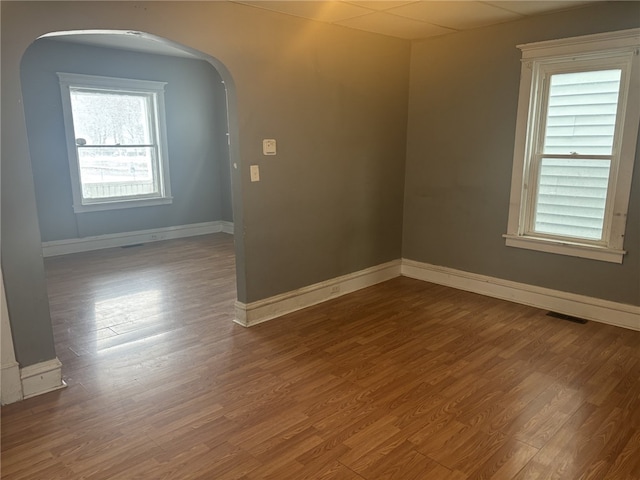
141,42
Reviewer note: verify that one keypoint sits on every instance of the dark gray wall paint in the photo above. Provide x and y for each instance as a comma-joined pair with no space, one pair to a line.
196,130
330,202
462,115
22,266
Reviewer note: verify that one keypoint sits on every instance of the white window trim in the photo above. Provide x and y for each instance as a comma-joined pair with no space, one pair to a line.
68,80
626,42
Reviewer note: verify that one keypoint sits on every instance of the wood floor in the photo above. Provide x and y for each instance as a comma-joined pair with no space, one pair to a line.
404,380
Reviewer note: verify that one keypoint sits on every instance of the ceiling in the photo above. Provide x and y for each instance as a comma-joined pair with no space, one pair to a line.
414,19
406,19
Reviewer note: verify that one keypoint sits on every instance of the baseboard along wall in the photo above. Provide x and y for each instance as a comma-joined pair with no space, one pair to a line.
276,306
111,240
589,308
581,306
41,378
11,383
47,376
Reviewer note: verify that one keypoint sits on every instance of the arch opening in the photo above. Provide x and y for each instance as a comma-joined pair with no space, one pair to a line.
149,44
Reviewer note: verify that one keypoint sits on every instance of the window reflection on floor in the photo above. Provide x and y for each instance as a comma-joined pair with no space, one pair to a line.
120,313
127,308
124,313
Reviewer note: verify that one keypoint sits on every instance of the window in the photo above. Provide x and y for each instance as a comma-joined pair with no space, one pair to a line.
116,139
576,135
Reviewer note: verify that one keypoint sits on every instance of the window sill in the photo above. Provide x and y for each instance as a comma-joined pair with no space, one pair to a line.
572,249
101,206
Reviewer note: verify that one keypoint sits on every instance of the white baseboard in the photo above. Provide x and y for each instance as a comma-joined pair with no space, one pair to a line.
581,306
267,309
11,384
41,378
85,244
227,227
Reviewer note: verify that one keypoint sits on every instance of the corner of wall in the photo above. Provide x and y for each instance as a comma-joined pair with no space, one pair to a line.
10,384
41,378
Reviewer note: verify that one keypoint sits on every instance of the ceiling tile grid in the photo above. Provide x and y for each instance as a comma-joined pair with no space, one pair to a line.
413,19
406,19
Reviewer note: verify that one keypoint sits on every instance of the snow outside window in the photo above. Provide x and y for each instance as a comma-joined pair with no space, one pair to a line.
116,139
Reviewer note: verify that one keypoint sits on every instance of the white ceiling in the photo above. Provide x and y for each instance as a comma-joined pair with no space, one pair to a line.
407,19
414,19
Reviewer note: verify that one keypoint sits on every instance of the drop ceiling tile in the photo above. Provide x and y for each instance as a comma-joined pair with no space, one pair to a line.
534,8
459,15
413,19
394,25
323,11
380,4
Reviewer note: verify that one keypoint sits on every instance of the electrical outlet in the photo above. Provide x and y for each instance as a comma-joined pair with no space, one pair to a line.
255,173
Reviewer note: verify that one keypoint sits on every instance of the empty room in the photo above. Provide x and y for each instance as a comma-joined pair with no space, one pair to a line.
320,240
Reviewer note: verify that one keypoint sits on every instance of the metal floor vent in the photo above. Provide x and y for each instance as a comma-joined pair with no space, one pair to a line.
562,316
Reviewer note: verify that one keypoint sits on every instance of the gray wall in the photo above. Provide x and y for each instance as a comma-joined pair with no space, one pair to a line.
462,116
196,130
335,99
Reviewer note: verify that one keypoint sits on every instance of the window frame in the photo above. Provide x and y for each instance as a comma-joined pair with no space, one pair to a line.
154,90
591,52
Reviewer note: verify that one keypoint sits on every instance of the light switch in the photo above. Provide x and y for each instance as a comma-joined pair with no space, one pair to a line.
255,173
268,146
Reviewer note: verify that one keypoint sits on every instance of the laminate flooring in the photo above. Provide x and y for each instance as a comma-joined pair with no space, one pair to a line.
403,380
